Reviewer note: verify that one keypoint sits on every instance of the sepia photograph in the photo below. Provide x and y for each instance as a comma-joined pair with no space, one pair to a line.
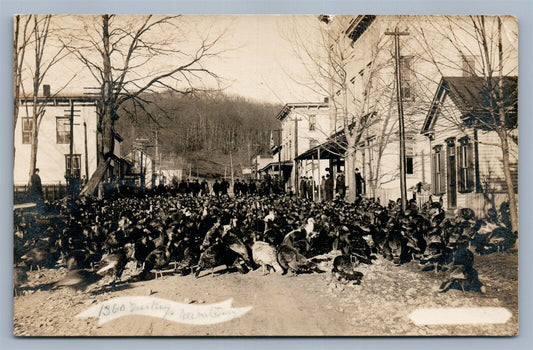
265,175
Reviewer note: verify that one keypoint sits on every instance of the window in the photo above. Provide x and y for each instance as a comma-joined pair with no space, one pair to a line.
406,70
72,166
469,66
466,165
290,150
438,171
312,122
63,130
313,143
27,126
437,165
409,165
409,154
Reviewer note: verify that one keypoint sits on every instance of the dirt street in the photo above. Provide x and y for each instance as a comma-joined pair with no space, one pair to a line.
310,304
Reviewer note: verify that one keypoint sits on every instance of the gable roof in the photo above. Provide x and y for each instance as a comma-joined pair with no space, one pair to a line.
471,95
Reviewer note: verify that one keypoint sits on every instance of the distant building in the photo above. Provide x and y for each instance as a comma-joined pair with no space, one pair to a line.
142,168
258,164
303,127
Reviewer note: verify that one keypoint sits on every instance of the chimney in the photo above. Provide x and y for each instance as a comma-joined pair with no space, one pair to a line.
46,90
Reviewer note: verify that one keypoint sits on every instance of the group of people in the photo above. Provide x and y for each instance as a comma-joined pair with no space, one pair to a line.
195,188
328,188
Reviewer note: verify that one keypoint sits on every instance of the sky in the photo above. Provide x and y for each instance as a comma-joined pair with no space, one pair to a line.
264,67
257,62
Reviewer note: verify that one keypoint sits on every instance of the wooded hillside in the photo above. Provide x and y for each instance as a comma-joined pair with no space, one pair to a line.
207,131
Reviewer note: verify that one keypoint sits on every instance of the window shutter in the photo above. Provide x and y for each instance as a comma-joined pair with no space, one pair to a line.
442,188
470,166
461,185
433,173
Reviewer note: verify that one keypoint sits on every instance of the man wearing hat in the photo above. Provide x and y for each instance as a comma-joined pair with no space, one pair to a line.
36,188
359,182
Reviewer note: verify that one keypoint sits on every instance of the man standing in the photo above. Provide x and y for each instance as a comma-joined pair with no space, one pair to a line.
205,187
359,183
341,185
328,187
323,188
36,188
303,187
216,188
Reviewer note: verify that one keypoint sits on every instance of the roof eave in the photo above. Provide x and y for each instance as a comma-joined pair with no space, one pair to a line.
433,109
289,106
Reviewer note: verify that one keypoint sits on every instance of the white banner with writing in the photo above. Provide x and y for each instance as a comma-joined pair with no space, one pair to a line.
196,314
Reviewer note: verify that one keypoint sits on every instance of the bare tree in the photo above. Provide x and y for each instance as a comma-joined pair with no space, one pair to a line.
129,56
22,35
487,51
360,101
45,56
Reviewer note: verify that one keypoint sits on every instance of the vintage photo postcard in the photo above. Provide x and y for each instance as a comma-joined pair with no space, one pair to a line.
265,175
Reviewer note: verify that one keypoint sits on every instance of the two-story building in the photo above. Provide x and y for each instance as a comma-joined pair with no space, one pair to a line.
54,158
303,127
434,50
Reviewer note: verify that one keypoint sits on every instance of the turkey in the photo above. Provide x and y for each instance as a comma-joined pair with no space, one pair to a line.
81,259
462,274
265,255
344,269
38,257
156,260
297,239
291,260
235,244
214,256
114,263
19,278
78,279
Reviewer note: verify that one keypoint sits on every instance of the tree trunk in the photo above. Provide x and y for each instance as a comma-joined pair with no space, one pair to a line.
33,154
513,205
107,125
107,128
349,169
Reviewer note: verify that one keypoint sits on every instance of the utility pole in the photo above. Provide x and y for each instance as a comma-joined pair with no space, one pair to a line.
399,94
71,177
158,164
86,153
319,181
71,172
256,147
231,166
142,172
296,172
279,154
